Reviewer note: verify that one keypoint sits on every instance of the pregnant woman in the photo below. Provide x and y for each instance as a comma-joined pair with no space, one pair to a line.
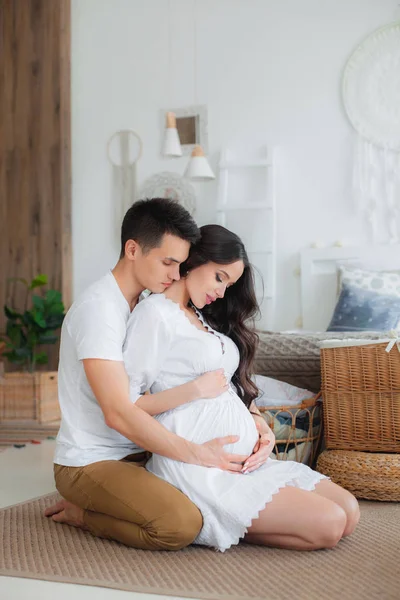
201,324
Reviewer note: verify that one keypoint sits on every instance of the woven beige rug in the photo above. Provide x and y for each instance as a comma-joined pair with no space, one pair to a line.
365,566
11,434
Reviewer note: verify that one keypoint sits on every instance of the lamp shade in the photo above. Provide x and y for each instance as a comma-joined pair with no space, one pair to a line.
171,145
198,167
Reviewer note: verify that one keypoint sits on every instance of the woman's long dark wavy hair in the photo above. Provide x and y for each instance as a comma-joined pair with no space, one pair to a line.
233,314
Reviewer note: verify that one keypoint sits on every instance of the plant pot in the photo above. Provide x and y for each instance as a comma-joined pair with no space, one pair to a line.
29,398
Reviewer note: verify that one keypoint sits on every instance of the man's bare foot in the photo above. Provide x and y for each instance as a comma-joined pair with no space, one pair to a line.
66,512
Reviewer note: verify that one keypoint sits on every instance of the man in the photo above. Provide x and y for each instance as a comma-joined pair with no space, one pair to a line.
99,449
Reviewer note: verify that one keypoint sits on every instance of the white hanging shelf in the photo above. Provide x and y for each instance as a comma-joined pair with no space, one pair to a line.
231,212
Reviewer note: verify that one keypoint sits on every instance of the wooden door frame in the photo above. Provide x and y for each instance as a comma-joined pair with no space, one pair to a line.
65,122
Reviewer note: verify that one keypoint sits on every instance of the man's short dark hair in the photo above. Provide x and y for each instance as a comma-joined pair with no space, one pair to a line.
147,221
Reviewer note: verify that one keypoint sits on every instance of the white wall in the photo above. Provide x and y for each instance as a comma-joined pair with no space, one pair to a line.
269,72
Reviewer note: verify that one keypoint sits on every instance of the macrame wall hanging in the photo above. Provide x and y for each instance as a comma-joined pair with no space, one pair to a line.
124,149
371,96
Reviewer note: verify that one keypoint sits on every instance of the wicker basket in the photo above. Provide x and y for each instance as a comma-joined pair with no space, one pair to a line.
29,398
366,475
305,417
361,391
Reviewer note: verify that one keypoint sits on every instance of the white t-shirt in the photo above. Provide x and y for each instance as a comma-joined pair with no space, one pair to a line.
94,327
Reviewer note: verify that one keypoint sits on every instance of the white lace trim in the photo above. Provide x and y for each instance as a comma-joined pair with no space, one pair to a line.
209,328
237,530
179,309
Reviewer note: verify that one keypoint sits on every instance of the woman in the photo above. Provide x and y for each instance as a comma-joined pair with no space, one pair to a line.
170,343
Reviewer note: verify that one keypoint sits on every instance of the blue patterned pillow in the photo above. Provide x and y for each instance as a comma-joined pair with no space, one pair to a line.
358,309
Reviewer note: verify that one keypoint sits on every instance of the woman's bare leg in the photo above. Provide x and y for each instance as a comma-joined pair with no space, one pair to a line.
298,520
345,499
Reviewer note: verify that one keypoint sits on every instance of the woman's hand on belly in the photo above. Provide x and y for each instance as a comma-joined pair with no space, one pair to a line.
212,384
261,453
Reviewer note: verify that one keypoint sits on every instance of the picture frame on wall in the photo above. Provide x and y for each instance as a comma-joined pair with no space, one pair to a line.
192,126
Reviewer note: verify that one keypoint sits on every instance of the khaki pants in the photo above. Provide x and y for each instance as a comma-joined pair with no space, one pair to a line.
124,502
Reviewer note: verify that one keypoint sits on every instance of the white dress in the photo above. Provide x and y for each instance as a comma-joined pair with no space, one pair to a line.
164,349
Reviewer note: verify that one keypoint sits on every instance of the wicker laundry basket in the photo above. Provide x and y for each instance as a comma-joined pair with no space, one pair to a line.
361,391
297,429
366,475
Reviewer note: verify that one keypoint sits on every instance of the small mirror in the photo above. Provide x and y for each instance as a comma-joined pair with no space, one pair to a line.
188,129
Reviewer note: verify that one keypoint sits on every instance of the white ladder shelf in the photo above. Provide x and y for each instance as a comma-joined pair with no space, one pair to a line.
246,205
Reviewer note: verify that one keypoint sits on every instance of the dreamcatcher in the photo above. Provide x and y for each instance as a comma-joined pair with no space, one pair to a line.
371,95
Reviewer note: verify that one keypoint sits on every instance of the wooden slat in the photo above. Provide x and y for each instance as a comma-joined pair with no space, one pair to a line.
35,146
65,172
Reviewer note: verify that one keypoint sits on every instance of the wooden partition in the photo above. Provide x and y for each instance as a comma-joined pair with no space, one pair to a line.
35,148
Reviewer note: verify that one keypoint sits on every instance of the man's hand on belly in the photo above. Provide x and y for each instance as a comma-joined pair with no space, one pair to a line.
212,454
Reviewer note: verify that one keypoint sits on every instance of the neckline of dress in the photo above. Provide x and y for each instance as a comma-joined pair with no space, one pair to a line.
203,321
183,313
200,316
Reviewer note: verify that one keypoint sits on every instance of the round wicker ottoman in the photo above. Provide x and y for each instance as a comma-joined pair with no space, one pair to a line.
365,474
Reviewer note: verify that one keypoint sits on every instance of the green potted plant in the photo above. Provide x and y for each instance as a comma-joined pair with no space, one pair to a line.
29,395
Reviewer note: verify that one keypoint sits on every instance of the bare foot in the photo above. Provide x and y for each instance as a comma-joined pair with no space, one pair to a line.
66,512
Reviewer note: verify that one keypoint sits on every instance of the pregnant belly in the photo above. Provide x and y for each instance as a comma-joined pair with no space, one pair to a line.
204,420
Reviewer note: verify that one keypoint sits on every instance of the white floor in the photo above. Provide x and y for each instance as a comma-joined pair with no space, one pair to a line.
27,473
